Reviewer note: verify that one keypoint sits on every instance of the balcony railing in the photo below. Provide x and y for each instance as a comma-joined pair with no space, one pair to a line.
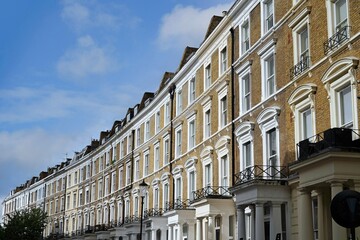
261,172
101,227
177,205
337,39
132,219
300,67
211,192
340,139
153,212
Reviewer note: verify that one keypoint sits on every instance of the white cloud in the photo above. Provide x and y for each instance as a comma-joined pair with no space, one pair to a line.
186,25
33,147
32,105
97,14
86,59
76,14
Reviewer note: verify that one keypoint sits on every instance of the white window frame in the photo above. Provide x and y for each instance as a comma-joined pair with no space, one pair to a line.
146,169
113,181
191,143
137,168
157,121
223,151
245,134
268,120
156,156
207,162
340,75
207,124
243,94
179,101
265,73
138,137
265,17
331,16
178,143
244,43
166,192
166,113
221,95
207,75
166,148
223,62
156,195
300,100
192,90
121,177
128,174
190,167
335,108
298,25
147,130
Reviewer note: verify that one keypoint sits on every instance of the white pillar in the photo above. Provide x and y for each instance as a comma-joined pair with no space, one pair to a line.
210,228
320,212
198,229
338,232
252,222
170,232
259,219
204,228
305,215
241,223
153,234
275,221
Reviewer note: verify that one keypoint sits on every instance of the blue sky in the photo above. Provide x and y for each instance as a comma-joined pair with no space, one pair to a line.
69,69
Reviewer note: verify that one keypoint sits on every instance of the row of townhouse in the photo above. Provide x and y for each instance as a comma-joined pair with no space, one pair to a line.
250,138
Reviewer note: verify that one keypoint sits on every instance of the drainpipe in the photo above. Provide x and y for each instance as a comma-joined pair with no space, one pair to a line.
232,105
171,93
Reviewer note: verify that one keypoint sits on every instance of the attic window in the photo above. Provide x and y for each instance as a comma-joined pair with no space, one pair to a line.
135,110
128,117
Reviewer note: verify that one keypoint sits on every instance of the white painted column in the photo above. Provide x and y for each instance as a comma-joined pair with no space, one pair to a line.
275,220
321,222
259,221
241,222
210,228
305,215
153,233
205,228
198,229
252,222
170,232
338,232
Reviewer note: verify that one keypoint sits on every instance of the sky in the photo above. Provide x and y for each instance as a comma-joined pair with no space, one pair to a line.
69,69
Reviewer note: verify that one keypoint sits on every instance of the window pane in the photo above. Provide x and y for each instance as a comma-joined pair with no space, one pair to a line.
246,154
340,13
304,43
307,124
345,106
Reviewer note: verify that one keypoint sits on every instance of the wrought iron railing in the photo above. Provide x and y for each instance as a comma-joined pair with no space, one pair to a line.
132,219
89,229
177,205
261,172
300,67
338,138
211,192
101,227
153,212
341,35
